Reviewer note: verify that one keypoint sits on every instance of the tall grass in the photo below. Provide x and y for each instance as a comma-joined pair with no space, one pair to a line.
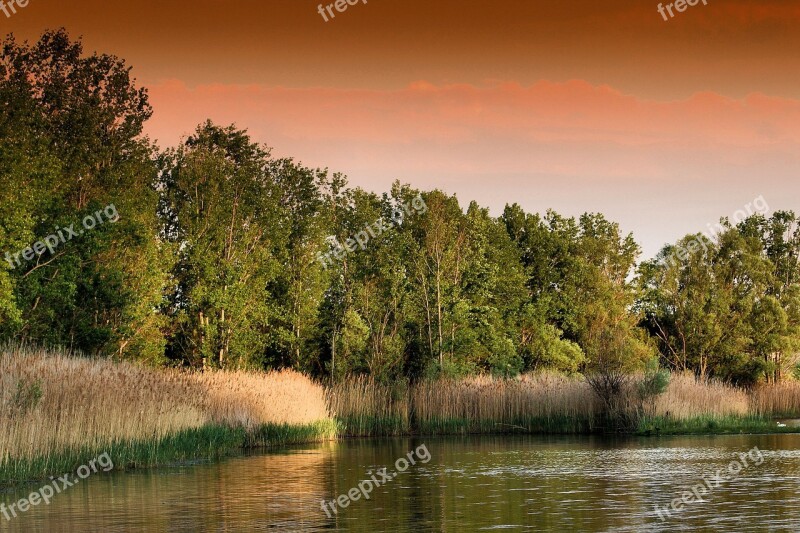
691,405
550,403
688,396
541,403
535,403
55,408
365,407
58,411
778,400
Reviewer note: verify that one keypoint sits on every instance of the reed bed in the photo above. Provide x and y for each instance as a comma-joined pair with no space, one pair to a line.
777,400
53,405
549,403
535,403
695,406
481,404
688,397
365,407
58,410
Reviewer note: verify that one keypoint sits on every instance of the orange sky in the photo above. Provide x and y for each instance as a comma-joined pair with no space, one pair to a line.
576,105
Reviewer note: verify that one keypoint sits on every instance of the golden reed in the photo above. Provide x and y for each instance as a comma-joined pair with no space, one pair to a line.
485,402
778,400
50,401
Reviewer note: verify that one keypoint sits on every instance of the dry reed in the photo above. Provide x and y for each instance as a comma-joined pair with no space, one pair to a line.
688,397
50,402
368,407
504,402
777,400
542,402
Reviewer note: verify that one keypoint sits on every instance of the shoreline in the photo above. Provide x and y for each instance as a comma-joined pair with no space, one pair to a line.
216,442
148,417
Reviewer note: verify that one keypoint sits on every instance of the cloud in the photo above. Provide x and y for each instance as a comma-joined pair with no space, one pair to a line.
608,132
660,168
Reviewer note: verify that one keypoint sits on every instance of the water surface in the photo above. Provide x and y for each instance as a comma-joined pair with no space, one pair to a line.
570,484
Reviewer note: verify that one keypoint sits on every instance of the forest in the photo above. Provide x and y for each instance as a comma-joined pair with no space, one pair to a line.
214,260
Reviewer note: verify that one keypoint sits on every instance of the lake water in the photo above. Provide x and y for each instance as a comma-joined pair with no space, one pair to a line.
564,484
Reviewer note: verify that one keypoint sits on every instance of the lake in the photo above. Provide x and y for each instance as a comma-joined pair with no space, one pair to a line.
479,483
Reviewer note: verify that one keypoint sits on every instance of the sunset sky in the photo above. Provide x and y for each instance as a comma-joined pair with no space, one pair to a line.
663,126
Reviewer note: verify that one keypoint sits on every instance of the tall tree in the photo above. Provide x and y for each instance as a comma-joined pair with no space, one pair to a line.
82,116
222,210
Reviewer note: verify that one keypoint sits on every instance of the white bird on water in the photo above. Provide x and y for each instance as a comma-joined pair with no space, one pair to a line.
780,425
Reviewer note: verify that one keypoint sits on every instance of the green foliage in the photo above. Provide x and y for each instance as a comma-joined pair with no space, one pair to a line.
26,397
70,127
448,369
547,349
654,383
221,214
219,259
727,307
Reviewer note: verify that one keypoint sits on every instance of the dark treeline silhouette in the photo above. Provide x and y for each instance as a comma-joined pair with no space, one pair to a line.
215,260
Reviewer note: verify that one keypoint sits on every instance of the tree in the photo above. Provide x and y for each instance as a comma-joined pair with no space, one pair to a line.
221,211
80,119
726,308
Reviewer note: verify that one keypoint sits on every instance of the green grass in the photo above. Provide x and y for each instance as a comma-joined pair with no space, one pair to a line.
366,426
557,425
213,442
270,435
710,425
203,444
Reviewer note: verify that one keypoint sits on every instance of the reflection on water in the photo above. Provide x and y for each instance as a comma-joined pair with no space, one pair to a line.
569,484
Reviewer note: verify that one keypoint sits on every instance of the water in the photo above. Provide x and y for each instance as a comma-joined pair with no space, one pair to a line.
470,484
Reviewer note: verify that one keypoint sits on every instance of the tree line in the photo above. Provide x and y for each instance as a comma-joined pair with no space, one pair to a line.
214,261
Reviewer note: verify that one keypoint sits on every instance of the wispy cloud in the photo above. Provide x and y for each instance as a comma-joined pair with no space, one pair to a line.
572,146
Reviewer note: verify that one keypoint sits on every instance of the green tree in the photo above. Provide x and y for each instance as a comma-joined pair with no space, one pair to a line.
80,117
221,211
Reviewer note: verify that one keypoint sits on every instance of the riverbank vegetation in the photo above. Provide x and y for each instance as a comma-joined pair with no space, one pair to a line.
551,403
57,409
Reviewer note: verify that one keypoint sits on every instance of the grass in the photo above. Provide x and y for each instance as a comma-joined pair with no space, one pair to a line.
778,400
58,411
710,424
367,408
269,435
206,443
688,397
541,403
553,404
554,425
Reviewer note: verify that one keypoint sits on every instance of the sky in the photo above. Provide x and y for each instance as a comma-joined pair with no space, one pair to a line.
578,105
